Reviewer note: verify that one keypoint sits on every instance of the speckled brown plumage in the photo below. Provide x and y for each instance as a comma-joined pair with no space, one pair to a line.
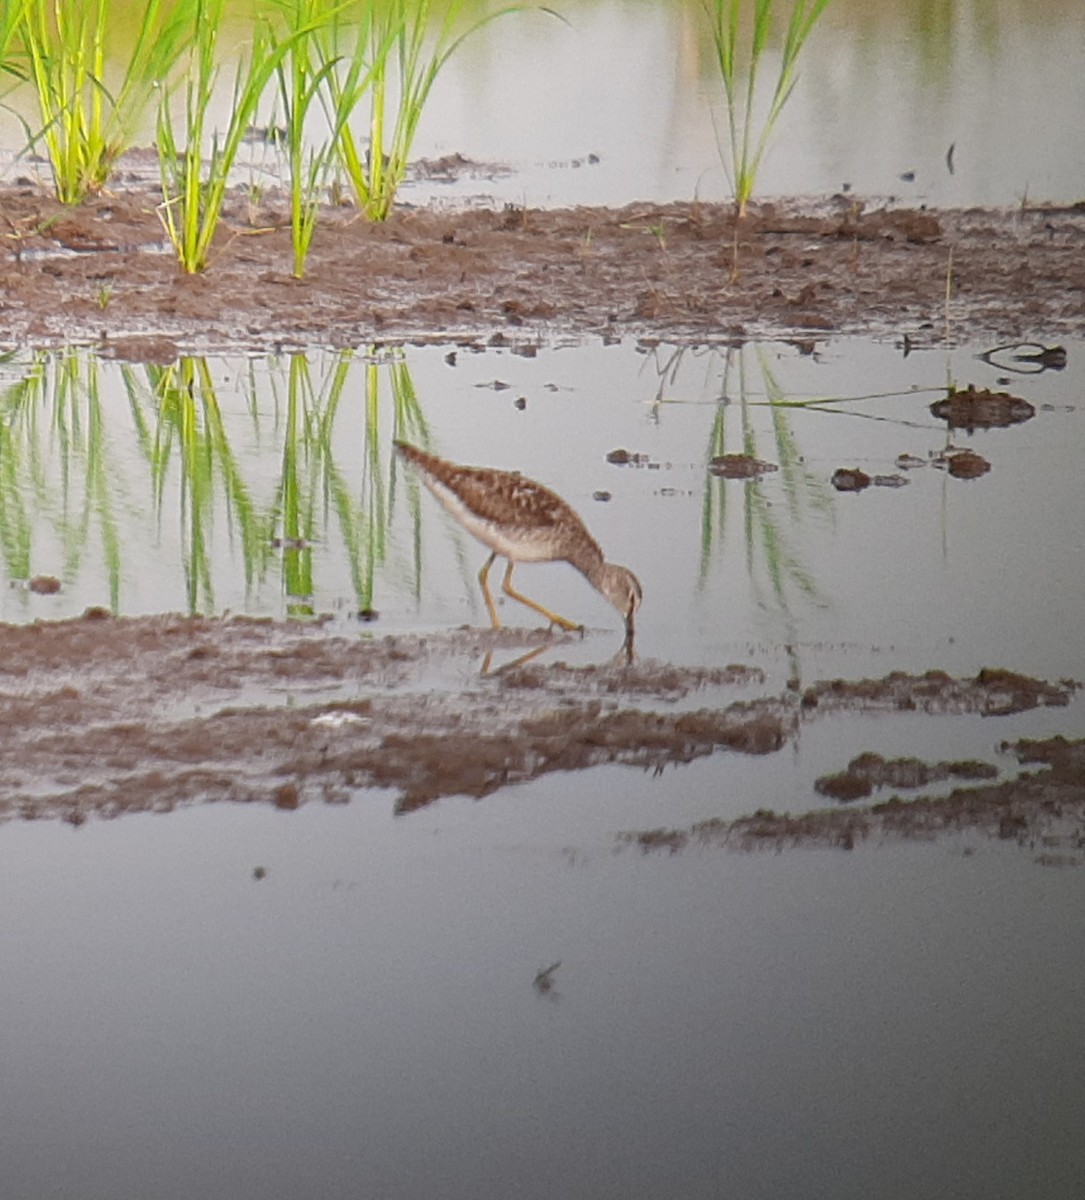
522,521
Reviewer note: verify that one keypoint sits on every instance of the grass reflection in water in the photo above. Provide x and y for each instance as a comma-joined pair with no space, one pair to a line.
89,451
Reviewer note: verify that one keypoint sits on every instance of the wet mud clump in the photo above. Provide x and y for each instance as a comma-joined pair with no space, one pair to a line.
850,479
965,464
994,691
739,466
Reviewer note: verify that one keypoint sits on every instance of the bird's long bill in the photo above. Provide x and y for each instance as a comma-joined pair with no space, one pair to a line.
627,645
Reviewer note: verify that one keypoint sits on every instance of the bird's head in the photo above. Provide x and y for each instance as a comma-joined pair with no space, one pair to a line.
622,588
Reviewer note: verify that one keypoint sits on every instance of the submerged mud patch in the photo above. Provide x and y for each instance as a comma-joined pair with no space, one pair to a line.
975,408
1041,811
146,714
870,771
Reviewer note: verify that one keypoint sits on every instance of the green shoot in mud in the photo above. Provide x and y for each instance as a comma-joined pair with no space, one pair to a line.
737,58
85,126
314,488
194,190
302,75
389,56
309,475
189,427
22,479
393,66
756,519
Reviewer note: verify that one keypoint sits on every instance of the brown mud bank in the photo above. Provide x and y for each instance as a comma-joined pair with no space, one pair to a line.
147,714
101,272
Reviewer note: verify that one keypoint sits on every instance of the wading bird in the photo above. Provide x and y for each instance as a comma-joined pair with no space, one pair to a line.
522,521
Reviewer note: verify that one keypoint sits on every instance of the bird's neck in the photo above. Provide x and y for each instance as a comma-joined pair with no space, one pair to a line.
589,562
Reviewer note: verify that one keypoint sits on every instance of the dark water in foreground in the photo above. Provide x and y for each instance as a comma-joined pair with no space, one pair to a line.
363,1021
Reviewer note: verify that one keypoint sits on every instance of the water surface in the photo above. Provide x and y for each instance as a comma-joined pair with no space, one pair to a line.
363,1020
268,485
620,101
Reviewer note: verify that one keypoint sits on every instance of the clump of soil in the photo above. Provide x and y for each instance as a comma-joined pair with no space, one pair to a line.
44,585
966,464
994,691
850,479
626,458
739,466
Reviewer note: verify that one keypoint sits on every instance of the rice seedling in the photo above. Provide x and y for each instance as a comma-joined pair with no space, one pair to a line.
314,488
20,404
11,17
70,488
101,498
736,58
380,469
393,65
302,74
194,190
770,512
295,503
85,125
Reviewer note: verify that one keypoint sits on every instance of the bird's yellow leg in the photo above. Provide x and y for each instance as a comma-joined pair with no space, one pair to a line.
483,580
552,617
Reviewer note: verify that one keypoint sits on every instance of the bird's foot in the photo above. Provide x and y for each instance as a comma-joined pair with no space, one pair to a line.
565,626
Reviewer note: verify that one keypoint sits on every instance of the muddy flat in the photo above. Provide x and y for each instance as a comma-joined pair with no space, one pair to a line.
102,272
148,714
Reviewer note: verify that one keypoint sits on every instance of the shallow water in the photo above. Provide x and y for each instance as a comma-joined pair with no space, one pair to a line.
271,488
211,482
620,101
884,91
364,1020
